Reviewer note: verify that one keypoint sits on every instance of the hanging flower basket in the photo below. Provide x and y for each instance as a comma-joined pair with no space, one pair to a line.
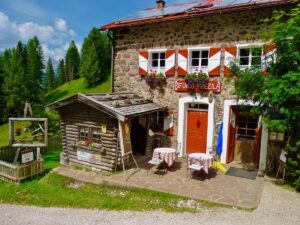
196,79
155,78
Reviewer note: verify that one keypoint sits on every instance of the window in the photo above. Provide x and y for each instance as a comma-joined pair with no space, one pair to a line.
83,133
92,134
199,60
198,106
96,135
246,126
250,56
158,61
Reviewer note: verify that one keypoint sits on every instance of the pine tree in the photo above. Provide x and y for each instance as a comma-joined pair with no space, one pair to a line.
35,67
14,87
50,77
61,72
96,57
72,62
3,115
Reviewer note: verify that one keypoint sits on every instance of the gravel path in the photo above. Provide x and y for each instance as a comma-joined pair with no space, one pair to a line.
278,207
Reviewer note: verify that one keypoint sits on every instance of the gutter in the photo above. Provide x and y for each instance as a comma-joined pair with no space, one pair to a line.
124,24
112,39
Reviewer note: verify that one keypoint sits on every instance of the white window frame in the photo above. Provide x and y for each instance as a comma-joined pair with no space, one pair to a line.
190,50
247,46
157,69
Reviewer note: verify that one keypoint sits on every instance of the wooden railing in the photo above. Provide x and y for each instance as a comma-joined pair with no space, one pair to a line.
18,172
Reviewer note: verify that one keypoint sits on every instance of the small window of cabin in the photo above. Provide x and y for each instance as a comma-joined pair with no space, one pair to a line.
84,134
246,126
96,135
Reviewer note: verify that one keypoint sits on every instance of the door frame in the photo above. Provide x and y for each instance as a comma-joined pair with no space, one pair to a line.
186,121
264,132
182,114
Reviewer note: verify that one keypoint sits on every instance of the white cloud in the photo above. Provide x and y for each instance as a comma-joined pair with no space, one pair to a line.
54,37
61,24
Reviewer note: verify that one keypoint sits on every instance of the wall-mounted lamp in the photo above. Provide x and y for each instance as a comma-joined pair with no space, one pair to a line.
210,97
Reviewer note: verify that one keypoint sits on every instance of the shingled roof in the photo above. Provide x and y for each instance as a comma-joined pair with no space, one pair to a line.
119,105
188,10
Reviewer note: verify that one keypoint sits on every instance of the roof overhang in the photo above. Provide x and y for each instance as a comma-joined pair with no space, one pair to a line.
186,15
124,111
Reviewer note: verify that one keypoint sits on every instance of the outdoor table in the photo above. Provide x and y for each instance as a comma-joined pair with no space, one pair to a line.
202,159
167,154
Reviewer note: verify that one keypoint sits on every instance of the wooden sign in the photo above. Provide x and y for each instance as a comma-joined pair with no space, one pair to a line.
124,133
85,156
212,85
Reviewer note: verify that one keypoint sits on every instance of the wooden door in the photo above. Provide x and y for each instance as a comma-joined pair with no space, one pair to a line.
231,134
196,132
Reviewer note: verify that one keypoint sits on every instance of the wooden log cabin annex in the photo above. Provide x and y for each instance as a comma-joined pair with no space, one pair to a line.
96,128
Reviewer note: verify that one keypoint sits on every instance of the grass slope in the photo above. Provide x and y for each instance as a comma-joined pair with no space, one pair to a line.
77,86
64,91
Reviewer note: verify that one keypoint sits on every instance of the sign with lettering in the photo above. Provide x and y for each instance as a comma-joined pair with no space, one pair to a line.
27,157
88,157
212,85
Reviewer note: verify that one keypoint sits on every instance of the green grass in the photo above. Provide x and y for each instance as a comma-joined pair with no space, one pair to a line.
4,135
53,190
77,86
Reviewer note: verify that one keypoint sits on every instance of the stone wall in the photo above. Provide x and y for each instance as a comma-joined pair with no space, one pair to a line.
215,31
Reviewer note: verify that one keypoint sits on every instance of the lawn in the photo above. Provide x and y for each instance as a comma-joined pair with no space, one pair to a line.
53,190
77,86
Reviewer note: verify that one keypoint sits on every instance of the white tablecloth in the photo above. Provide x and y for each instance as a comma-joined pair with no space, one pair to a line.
202,159
167,154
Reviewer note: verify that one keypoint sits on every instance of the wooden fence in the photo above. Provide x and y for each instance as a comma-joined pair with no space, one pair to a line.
18,172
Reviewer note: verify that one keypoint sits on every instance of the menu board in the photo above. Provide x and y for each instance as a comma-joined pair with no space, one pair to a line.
125,141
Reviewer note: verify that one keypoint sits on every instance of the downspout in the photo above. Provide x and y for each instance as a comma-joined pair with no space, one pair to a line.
111,38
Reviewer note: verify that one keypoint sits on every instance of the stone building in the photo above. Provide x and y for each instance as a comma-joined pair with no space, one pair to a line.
205,36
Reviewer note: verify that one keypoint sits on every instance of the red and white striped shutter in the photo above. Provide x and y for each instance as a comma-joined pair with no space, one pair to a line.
214,62
269,56
169,123
170,63
143,62
183,62
230,56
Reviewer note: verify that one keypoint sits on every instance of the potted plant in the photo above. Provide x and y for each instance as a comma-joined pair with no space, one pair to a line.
191,80
202,79
155,78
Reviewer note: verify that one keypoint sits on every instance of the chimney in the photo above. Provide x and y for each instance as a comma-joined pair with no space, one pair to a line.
160,4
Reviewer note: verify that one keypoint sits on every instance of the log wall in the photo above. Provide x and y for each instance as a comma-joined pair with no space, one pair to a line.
78,115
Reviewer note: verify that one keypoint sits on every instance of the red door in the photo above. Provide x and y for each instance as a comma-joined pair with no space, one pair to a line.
231,134
196,132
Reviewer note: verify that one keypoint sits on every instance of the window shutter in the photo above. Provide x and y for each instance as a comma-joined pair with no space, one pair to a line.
230,56
269,56
143,62
183,62
170,63
169,123
214,62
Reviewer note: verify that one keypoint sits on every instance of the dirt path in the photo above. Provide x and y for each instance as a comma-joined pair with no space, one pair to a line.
277,207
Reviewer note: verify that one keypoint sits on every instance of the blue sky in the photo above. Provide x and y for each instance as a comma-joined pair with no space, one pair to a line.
57,22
